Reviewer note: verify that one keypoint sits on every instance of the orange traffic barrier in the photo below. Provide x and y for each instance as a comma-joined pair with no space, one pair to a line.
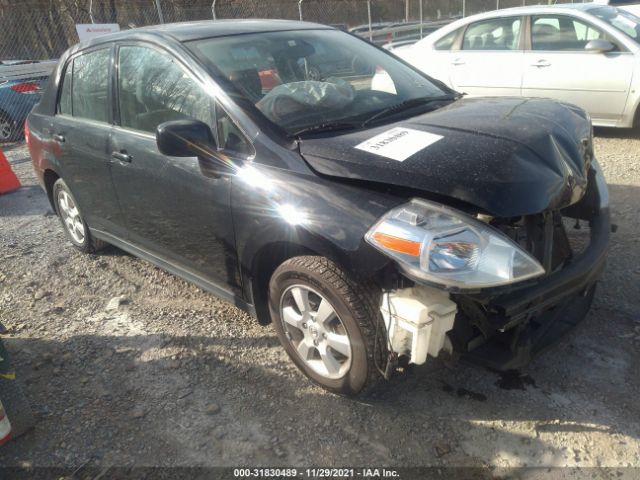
5,427
8,180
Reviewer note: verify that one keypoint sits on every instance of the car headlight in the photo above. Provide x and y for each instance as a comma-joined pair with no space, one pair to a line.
447,247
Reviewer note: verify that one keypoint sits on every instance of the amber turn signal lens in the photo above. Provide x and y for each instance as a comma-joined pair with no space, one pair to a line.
396,244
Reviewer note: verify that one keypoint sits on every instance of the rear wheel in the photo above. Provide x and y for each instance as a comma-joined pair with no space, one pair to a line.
74,225
7,128
327,324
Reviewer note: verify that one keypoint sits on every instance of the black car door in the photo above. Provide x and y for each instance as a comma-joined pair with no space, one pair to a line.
175,208
80,137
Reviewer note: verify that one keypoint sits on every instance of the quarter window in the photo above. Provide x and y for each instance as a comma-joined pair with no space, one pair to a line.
561,33
64,107
230,137
494,34
90,86
153,88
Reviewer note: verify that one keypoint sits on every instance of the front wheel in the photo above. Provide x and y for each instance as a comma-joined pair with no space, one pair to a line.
326,322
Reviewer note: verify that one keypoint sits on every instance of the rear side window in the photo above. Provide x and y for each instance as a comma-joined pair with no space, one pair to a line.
446,42
493,34
153,89
561,33
90,85
64,106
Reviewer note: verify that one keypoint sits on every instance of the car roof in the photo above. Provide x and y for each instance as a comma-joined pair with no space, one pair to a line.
186,31
585,7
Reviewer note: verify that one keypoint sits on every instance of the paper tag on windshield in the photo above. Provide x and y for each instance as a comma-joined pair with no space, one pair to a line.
399,143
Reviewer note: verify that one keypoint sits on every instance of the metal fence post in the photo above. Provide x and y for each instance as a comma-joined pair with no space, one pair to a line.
213,9
91,11
421,19
369,15
497,4
300,8
160,17
464,8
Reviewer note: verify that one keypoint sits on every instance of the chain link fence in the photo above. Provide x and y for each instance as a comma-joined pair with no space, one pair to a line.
40,30
43,29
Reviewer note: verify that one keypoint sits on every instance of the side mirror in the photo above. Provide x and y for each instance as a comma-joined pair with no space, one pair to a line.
599,46
185,138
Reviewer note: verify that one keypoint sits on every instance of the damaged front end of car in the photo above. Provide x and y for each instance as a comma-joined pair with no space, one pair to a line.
503,328
511,262
527,283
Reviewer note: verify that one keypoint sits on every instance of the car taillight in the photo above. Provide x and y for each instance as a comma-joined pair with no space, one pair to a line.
26,131
28,87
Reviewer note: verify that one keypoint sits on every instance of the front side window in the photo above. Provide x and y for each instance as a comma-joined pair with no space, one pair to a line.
561,33
446,42
311,78
493,34
153,88
89,96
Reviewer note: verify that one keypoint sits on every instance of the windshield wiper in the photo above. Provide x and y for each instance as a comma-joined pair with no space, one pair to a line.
325,127
408,104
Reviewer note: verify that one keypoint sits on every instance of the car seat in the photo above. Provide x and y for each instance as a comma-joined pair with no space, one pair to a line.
546,37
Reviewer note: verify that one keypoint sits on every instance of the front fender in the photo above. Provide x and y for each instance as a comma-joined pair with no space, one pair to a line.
307,213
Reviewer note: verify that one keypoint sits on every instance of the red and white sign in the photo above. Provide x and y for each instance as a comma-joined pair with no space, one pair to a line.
90,30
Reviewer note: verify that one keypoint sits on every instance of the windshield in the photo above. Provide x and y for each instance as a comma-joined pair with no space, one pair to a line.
619,19
313,78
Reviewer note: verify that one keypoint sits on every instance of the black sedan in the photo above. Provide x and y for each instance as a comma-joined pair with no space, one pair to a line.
372,227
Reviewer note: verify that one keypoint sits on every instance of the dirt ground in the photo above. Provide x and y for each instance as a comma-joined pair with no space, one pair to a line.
126,365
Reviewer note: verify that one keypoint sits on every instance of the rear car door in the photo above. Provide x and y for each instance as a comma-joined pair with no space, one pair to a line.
557,66
177,209
80,135
489,61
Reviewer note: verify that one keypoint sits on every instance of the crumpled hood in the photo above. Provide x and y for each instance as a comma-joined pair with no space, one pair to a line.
506,156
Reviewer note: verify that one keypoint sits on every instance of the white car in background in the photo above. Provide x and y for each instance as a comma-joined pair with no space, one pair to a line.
632,7
584,54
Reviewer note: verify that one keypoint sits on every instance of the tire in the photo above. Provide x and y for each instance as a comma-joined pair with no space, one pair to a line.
355,313
69,214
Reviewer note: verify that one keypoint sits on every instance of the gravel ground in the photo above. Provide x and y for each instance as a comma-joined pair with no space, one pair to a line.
126,365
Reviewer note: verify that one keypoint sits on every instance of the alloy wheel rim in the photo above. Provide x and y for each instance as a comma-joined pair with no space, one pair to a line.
5,129
71,216
315,331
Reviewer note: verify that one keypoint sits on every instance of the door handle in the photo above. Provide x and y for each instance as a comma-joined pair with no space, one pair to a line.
541,63
121,156
58,138
457,61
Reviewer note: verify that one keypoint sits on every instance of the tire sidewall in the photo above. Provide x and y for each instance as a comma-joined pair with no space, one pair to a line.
57,187
355,378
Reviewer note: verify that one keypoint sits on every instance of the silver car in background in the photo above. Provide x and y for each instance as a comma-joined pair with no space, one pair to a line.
584,54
